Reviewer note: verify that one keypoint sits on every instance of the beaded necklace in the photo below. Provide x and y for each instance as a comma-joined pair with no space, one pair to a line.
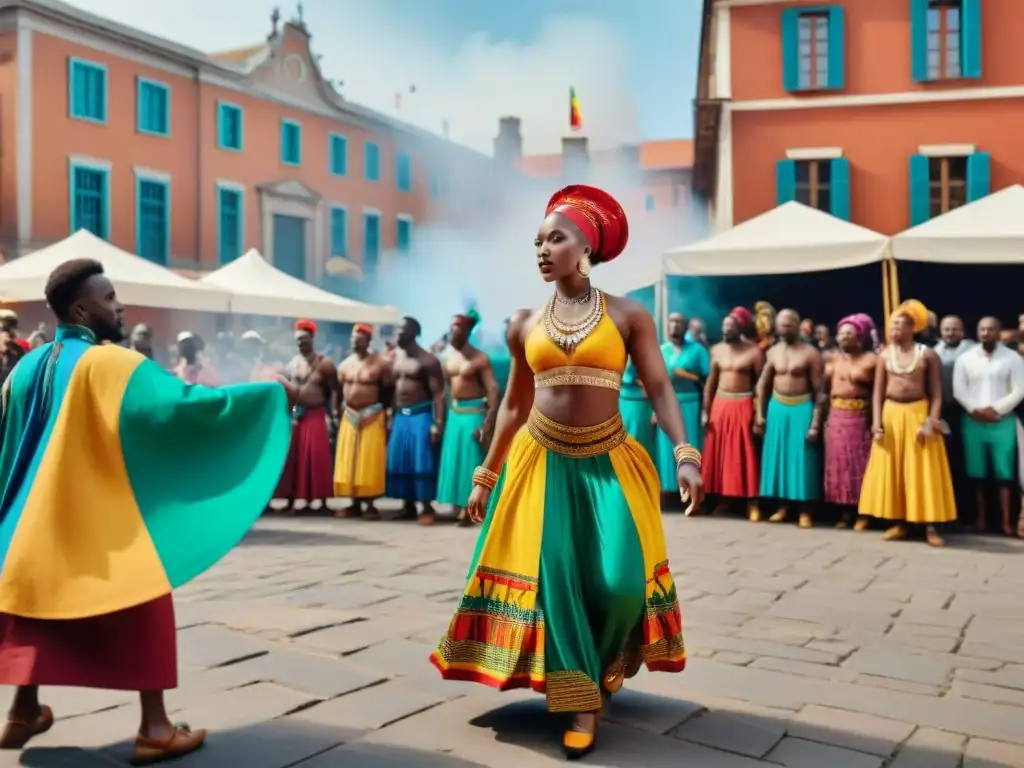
570,335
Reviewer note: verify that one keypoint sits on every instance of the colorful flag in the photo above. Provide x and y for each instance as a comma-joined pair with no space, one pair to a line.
575,116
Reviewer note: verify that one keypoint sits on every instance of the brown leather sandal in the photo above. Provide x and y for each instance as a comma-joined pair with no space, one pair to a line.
182,741
17,733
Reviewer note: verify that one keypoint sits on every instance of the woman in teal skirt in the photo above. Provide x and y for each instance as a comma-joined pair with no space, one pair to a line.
688,364
637,413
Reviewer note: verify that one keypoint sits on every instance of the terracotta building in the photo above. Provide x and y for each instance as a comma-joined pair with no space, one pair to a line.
189,158
882,112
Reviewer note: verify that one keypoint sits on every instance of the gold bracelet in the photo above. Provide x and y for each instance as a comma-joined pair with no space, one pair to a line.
485,477
686,454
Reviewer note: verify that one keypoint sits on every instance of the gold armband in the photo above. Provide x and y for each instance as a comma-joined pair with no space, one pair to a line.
686,454
485,477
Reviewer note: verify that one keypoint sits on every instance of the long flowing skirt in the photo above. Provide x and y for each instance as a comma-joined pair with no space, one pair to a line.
308,473
847,448
130,650
412,455
790,466
690,405
570,570
461,451
359,469
907,479
637,416
731,466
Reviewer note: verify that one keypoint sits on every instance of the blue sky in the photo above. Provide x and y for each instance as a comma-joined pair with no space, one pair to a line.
633,62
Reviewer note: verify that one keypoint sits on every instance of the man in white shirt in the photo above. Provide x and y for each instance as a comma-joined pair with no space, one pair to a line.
988,381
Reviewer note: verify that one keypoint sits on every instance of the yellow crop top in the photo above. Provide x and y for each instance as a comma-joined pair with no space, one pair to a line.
598,361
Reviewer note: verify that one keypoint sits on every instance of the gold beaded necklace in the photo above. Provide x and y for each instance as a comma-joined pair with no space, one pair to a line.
570,335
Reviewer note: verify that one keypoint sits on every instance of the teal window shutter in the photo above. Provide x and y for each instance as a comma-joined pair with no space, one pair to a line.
919,40
840,188
836,48
791,49
785,181
978,176
970,38
920,192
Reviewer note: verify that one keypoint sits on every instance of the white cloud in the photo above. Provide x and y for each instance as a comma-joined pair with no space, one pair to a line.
470,86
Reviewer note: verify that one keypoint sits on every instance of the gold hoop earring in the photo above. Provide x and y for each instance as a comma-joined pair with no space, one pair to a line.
583,267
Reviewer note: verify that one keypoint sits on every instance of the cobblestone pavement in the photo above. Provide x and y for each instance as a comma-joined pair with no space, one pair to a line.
308,646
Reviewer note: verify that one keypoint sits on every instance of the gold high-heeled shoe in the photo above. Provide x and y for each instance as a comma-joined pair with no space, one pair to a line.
579,742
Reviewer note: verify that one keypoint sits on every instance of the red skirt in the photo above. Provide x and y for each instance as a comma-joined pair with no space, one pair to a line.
308,472
131,650
730,464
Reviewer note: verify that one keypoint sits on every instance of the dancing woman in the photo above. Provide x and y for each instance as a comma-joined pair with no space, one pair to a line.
569,588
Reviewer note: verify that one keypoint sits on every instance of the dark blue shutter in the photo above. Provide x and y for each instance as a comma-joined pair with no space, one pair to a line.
919,40
920,193
836,48
791,49
970,38
840,188
785,181
978,176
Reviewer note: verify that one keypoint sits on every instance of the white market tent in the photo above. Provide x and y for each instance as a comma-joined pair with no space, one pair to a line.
987,231
790,239
138,282
258,288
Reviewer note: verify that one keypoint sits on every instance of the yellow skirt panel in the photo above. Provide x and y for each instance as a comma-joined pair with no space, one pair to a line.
906,479
361,460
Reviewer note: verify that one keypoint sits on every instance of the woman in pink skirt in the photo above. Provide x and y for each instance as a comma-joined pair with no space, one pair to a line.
849,382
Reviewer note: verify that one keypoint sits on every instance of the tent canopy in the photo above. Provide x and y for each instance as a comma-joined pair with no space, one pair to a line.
987,231
257,288
790,239
139,282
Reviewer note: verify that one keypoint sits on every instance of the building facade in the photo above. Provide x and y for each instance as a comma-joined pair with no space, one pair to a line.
882,112
189,159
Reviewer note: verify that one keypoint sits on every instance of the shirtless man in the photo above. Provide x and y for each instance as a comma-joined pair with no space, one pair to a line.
908,479
360,469
730,467
789,417
417,424
473,392
846,399
308,473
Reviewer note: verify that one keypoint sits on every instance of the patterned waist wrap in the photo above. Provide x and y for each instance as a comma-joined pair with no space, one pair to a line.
850,404
578,376
576,442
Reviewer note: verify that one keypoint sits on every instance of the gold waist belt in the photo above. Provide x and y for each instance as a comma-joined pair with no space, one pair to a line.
577,442
476,405
792,399
850,404
578,376
733,395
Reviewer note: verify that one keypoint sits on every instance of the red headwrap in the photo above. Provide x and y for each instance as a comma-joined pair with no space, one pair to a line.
742,316
23,343
306,325
597,214
363,328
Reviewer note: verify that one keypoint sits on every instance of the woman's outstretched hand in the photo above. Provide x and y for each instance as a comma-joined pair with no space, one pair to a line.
478,500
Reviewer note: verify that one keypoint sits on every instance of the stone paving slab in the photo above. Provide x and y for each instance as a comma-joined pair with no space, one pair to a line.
308,645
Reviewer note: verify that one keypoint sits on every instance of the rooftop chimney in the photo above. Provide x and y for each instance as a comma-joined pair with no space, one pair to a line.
575,159
508,144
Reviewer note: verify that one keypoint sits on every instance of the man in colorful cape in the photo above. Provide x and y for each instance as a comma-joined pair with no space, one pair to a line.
473,407
309,472
360,467
121,482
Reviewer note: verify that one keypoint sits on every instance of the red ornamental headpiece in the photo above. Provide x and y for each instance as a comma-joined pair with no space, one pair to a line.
306,326
742,316
597,214
363,329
